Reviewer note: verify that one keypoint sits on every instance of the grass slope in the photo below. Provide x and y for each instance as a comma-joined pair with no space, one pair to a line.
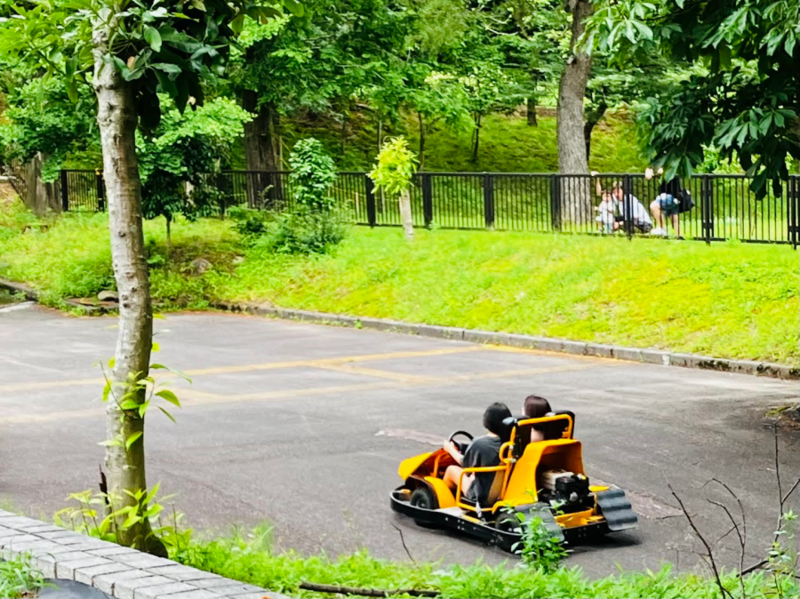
508,144
726,300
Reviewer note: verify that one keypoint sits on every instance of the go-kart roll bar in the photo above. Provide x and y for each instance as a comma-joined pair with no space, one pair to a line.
554,418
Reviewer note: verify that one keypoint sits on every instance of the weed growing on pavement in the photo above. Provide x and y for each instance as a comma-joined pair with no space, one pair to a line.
18,578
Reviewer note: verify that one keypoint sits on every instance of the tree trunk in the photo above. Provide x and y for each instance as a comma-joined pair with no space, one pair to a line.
261,147
531,113
592,119
477,137
380,135
572,157
575,192
117,121
405,215
421,156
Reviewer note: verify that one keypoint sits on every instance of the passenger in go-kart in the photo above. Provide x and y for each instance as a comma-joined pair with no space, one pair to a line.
536,407
482,452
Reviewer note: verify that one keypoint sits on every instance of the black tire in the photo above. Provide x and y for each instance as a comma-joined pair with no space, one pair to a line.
424,498
507,523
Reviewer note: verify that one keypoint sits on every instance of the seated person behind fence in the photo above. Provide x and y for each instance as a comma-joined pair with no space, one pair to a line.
608,211
667,203
621,205
483,452
641,220
536,407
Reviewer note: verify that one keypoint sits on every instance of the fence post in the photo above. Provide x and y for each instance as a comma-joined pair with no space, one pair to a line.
707,208
792,212
64,191
488,200
627,206
427,198
555,202
101,195
370,190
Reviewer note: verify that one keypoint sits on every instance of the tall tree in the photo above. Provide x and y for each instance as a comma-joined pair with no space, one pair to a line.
130,51
572,157
739,91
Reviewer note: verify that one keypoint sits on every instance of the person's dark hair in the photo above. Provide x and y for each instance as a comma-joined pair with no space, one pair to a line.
493,418
536,407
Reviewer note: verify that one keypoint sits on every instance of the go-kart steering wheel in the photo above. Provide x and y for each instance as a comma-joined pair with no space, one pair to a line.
457,433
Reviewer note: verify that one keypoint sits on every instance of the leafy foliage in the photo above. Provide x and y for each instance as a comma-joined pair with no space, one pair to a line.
302,232
739,91
538,548
187,148
18,577
313,173
395,167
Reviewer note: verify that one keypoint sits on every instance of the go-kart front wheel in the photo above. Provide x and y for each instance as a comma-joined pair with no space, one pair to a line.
424,498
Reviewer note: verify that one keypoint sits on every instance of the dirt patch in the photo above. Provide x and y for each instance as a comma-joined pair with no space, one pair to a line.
7,194
787,416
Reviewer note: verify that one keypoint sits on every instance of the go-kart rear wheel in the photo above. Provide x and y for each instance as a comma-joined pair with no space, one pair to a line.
424,498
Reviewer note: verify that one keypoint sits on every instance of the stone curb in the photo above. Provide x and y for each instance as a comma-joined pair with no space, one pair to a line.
121,572
33,295
647,356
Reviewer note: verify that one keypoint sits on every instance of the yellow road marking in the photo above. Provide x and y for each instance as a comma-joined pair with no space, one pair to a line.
383,374
321,363
543,352
196,397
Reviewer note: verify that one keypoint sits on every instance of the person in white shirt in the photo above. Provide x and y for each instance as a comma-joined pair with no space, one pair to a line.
640,217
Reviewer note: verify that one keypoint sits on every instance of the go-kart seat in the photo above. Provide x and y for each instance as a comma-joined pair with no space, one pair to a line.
557,428
494,492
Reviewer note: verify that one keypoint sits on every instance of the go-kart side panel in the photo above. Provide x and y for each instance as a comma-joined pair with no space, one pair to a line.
410,466
564,454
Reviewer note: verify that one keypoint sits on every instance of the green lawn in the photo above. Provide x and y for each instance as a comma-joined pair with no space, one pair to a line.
726,300
18,578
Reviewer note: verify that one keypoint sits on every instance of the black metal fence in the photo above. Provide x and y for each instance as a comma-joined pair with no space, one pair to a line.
725,207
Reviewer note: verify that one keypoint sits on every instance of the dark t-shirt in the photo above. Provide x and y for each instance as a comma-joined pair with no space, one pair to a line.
483,452
672,187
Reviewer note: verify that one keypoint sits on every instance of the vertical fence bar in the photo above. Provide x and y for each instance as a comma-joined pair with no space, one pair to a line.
792,197
488,200
627,206
101,199
64,191
427,199
555,202
706,208
372,217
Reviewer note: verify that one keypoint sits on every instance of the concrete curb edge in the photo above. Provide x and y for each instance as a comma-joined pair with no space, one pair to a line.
118,571
647,356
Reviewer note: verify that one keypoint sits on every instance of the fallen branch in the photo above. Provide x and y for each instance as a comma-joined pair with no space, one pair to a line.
331,588
709,553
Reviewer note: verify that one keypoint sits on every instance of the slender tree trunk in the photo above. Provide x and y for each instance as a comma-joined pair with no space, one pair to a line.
421,141
477,137
169,236
592,118
343,136
405,215
531,112
572,90
380,135
575,193
117,121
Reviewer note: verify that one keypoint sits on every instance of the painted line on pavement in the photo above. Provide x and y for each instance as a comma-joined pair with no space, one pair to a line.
192,397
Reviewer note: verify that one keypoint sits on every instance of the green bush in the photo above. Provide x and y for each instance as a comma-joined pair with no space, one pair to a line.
313,173
249,223
303,232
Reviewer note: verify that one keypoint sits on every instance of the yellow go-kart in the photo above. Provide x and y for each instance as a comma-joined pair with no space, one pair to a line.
540,479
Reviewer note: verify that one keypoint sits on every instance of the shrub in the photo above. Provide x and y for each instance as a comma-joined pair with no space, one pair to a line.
249,223
313,173
302,233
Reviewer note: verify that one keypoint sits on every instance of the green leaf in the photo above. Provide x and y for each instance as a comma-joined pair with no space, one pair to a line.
167,414
169,396
152,37
132,439
106,391
111,443
171,69
156,347
294,7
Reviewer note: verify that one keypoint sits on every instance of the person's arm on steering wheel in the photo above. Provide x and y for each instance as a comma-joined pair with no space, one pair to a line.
450,447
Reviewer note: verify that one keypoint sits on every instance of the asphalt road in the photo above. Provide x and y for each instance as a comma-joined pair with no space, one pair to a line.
304,426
